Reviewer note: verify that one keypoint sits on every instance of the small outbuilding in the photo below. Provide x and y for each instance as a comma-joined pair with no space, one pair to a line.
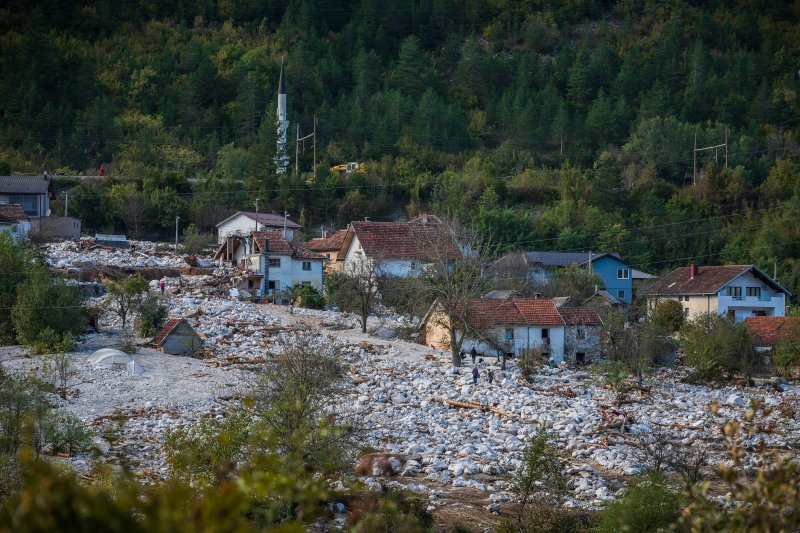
177,338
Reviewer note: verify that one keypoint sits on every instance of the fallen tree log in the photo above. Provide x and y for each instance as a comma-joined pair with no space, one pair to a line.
465,405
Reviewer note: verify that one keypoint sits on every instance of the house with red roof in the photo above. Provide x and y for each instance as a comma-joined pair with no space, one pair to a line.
14,221
398,249
738,291
768,331
329,246
514,325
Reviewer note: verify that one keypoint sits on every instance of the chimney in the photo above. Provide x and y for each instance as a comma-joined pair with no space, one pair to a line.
693,270
424,218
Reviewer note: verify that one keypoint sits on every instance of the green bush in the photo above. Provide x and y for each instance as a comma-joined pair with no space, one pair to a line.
152,316
717,348
46,311
646,506
306,296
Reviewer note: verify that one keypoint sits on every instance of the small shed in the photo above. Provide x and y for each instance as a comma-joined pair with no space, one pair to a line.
177,338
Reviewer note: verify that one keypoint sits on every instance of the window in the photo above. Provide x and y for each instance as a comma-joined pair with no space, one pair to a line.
274,262
28,202
685,298
754,291
509,334
731,314
306,265
271,285
413,265
623,273
686,311
545,333
735,292
580,334
620,293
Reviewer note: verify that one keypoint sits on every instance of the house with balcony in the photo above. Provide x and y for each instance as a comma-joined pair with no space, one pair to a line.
514,325
737,291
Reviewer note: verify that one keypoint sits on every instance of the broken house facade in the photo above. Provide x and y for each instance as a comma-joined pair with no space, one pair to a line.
243,223
396,249
518,325
737,291
272,263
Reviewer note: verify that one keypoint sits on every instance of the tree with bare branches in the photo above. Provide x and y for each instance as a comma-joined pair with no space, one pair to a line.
453,276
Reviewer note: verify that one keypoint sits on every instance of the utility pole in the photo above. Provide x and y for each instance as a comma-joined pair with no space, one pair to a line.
256,215
285,216
297,150
715,148
66,203
177,219
315,148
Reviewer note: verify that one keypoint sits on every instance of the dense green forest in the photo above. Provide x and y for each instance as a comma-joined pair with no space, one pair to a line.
567,125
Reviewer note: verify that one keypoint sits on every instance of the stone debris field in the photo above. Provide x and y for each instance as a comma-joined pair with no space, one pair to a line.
445,433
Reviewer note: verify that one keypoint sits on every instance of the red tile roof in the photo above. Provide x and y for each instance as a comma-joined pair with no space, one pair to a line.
486,313
166,330
399,240
327,244
12,213
580,316
274,242
770,330
708,280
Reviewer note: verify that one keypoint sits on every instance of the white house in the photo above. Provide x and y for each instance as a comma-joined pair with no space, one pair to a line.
14,221
738,291
396,249
243,223
519,324
272,263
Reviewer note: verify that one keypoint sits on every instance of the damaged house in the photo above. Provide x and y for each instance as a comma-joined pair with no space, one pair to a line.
271,263
517,325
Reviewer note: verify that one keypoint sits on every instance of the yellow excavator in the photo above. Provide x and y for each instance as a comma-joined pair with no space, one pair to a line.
349,168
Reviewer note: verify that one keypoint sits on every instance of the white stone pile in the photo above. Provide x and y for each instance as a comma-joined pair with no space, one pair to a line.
70,254
401,400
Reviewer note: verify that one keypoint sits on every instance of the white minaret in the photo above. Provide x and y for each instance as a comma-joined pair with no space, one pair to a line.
281,158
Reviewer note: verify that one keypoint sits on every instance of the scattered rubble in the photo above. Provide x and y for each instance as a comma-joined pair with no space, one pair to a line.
434,430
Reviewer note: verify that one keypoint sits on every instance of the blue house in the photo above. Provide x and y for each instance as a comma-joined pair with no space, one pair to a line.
615,273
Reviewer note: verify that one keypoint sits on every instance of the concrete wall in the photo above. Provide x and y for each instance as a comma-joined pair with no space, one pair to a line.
589,345
18,230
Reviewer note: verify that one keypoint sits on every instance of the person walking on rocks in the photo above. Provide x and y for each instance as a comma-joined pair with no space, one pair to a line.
490,376
163,286
473,354
474,375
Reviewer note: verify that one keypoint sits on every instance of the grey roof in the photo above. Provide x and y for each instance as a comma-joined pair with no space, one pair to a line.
610,298
267,219
639,274
24,184
563,259
501,294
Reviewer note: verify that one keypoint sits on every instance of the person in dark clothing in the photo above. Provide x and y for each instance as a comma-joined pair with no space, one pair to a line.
490,376
473,354
462,355
474,375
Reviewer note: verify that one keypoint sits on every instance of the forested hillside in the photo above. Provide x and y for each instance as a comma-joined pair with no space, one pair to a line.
566,125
